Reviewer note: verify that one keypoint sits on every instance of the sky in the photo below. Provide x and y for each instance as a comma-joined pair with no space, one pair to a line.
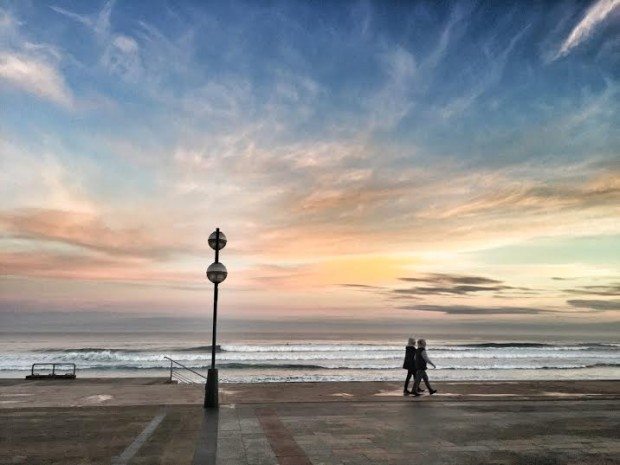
451,163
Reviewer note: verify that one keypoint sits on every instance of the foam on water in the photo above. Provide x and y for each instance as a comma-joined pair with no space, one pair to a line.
319,361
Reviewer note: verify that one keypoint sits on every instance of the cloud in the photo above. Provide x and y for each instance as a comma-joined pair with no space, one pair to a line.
595,15
307,156
86,230
609,290
35,76
69,265
393,101
122,57
454,290
125,44
447,284
600,305
454,279
99,23
30,66
363,286
494,67
602,189
120,52
471,310
442,284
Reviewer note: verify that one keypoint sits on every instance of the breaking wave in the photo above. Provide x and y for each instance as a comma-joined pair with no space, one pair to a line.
325,360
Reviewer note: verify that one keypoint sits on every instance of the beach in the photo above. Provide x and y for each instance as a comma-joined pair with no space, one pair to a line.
306,400
149,420
242,233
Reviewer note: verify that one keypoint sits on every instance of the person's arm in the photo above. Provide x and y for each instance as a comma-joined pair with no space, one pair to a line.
426,359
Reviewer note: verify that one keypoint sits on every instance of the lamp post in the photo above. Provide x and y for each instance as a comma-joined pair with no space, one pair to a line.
216,273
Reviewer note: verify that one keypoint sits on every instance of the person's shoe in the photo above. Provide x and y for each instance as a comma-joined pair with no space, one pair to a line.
406,393
420,390
432,391
416,394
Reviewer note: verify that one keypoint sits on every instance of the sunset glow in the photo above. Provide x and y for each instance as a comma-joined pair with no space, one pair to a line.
443,161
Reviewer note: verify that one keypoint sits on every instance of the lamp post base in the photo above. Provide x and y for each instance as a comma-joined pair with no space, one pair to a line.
211,389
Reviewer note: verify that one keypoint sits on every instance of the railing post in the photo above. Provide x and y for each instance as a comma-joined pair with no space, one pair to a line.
53,369
170,370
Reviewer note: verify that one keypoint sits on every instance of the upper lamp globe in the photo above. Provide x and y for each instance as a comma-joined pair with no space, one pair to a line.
213,242
216,273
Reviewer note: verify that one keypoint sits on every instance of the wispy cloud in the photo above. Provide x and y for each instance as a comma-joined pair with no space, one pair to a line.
599,305
315,139
360,286
35,76
120,53
73,265
602,189
595,15
603,290
98,23
452,279
85,230
393,101
472,310
445,284
29,66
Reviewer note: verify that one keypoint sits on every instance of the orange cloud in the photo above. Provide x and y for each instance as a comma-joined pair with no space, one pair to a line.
88,267
88,231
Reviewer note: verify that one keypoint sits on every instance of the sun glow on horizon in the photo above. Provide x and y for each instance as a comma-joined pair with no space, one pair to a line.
365,160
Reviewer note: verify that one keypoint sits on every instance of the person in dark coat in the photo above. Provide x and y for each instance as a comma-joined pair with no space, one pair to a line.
421,361
409,364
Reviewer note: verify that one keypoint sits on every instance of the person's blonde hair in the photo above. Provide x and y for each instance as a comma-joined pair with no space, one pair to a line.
422,343
411,341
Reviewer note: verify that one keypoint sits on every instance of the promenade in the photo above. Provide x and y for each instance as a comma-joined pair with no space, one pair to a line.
147,421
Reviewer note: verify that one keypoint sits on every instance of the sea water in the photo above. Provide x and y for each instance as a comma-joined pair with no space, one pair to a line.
309,359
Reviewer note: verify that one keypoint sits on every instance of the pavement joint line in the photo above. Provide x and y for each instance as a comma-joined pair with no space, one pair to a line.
282,442
436,400
137,443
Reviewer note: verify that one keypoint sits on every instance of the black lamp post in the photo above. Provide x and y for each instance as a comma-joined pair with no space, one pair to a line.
216,273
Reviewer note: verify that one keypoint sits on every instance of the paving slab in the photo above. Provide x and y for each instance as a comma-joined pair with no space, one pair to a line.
87,392
526,426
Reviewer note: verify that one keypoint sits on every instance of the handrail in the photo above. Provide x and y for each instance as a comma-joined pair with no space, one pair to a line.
186,379
53,374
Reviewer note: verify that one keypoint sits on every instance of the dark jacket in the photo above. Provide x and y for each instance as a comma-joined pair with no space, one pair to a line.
409,363
420,363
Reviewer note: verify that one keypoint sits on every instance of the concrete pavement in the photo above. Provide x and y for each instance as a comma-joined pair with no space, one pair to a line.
327,423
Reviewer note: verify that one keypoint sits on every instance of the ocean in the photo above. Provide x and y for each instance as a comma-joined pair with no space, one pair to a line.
308,359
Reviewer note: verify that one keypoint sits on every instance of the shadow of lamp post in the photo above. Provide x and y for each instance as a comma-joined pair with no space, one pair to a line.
216,273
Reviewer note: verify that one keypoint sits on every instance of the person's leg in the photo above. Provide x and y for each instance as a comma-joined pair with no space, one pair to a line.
416,382
419,387
409,374
428,384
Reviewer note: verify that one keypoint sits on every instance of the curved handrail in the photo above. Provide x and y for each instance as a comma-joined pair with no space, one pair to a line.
67,371
183,366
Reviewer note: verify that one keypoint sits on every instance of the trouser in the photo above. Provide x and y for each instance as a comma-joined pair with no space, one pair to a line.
410,373
419,376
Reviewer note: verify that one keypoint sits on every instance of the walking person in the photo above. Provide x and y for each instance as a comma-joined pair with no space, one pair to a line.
421,361
409,364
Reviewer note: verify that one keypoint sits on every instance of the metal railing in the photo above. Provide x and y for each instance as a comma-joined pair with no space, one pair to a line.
52,370
177,374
